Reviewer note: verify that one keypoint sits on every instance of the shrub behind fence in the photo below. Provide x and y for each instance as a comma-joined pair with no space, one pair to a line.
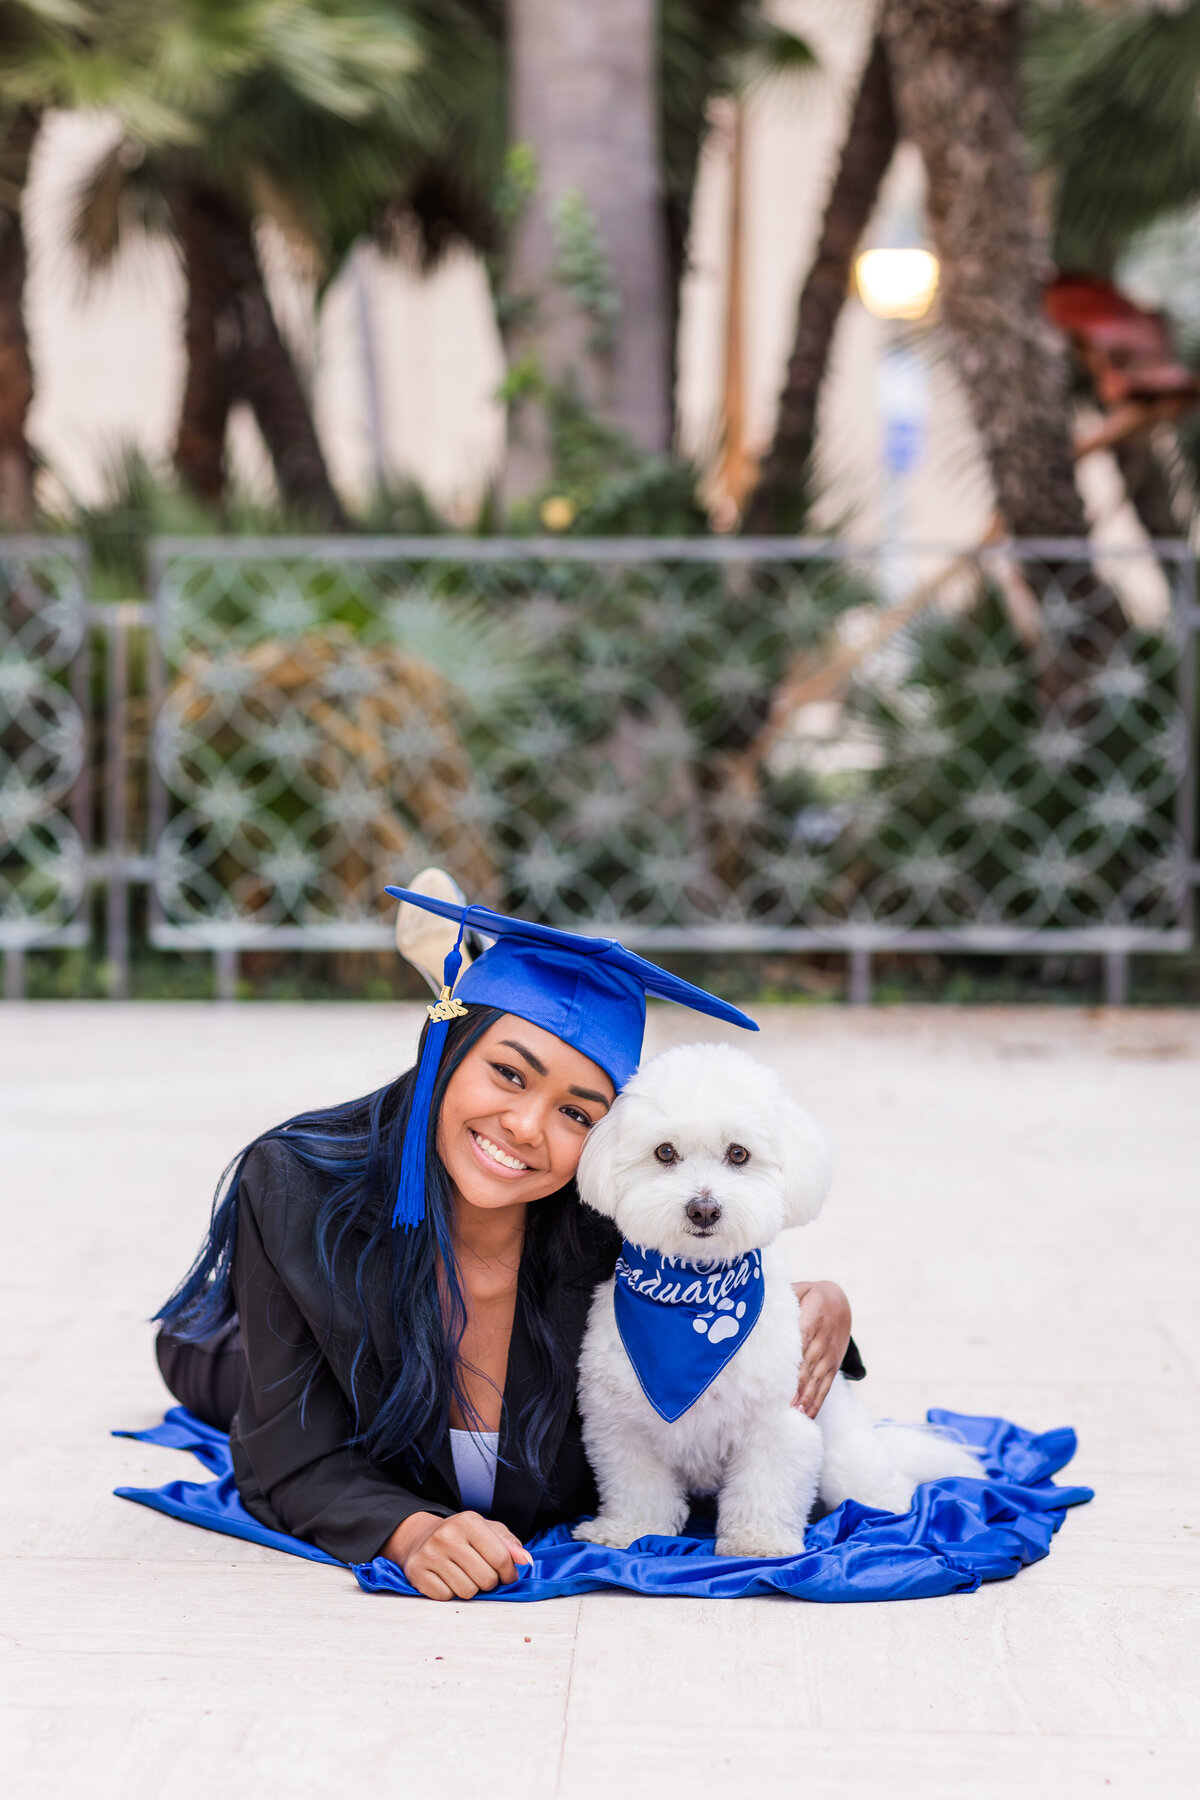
710,745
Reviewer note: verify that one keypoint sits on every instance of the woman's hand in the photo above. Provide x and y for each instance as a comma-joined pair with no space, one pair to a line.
455,1558
825,1332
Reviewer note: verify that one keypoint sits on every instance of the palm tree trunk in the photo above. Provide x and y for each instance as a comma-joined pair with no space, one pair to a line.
583,96
779,500
16,370
954,72
211,338
235,351
1149,488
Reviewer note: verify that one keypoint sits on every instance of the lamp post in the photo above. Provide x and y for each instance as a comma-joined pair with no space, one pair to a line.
898,285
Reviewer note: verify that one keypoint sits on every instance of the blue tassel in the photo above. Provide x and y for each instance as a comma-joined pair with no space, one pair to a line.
410,1196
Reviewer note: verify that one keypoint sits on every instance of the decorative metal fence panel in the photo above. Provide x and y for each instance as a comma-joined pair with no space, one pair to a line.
44,798
736,744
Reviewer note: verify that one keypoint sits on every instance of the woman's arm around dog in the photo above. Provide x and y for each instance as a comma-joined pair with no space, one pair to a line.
825,1328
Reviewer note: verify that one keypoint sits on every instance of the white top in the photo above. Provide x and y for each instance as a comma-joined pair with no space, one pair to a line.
475,1454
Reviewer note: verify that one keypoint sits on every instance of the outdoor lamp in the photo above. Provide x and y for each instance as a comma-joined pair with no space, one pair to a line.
896,284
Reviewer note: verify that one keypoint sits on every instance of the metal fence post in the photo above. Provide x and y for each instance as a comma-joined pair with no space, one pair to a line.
859,983
1116,978
225,960
45,827
1185,800
115,726
14,973
157,801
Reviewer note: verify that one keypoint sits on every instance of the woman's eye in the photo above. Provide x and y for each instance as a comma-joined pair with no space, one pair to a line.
666,1153
737,1154
508,1074
580,1118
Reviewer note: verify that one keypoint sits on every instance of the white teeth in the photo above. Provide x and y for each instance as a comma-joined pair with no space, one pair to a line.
496,1153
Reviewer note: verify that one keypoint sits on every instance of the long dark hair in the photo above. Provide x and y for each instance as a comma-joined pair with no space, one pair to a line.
357,1147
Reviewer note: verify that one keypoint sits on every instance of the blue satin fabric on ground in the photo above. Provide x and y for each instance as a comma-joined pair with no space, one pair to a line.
958,1534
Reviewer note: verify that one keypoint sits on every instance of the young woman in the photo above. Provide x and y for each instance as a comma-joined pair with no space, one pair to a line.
408,1390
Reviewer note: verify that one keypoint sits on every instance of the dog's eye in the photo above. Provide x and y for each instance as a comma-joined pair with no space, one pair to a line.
666,1153
737,1154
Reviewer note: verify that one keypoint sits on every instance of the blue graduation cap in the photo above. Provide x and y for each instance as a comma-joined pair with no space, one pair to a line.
588,991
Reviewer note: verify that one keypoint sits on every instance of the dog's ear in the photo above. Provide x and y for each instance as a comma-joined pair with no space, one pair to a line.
806,1158
596,1176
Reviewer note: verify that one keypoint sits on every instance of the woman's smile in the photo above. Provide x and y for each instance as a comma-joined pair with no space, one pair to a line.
495,1157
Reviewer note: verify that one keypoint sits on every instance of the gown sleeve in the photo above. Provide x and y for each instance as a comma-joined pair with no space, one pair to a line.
294,1467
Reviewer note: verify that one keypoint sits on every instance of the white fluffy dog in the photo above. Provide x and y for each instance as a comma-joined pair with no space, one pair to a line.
703,1159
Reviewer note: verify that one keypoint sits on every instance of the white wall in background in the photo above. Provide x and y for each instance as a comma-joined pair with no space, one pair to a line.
439,367
110,365
107,355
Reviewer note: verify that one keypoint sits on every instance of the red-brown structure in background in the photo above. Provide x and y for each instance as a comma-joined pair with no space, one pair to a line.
1127,353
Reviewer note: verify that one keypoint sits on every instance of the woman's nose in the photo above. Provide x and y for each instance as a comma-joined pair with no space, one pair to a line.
522,1119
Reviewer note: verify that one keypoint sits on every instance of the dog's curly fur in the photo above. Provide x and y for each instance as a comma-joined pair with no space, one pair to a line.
742,1439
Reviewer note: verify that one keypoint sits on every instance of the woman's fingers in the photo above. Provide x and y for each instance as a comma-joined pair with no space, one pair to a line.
807,1378
492,1539
502,1547
484,1549
466,1555
811,1372
816,1379
427,1583
485,1552
456,1578
824,1324
820,1389
446,1567
516,1548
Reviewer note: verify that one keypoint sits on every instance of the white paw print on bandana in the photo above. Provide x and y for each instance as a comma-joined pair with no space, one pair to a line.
722,1324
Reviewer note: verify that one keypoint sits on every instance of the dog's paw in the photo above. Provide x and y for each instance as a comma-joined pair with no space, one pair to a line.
760,1543
618,1534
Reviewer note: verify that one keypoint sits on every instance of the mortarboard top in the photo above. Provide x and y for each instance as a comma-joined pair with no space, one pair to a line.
588,991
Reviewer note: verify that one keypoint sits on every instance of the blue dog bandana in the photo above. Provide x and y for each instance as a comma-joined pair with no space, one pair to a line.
681,1322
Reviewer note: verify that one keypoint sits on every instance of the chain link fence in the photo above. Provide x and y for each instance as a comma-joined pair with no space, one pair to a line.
712,745
44,789
730,745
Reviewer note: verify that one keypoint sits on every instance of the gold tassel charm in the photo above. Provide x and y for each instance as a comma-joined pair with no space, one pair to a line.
446,1008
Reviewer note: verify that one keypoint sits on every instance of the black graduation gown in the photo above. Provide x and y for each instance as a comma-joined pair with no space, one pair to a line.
293,1467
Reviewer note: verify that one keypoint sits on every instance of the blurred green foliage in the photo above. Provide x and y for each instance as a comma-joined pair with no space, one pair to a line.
1111,112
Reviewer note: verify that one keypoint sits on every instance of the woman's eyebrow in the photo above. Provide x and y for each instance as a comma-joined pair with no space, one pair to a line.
537,1067
590,1094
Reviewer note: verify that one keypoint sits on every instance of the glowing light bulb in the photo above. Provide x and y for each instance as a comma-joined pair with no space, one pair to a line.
558,512
897,284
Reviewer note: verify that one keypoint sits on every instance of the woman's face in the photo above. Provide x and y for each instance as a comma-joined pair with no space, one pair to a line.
515,1114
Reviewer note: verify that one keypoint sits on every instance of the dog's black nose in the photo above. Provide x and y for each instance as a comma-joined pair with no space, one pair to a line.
703,1211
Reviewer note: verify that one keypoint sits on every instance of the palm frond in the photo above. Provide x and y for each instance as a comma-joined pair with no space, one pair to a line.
1110,101
119,198
287,209
772,53
347,59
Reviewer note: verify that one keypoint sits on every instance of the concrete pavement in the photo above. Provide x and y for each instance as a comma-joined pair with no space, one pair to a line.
1016,1220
